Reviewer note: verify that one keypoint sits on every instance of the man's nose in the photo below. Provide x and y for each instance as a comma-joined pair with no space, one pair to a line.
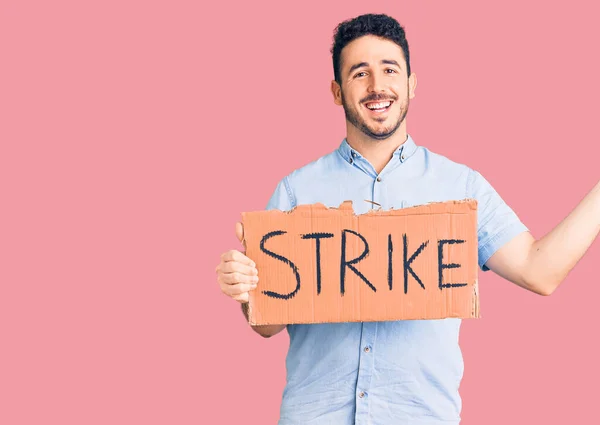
376,83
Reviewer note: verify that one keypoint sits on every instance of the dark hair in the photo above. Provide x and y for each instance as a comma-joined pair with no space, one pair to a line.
382,26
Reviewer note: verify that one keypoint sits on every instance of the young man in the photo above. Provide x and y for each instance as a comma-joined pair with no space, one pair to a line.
400,372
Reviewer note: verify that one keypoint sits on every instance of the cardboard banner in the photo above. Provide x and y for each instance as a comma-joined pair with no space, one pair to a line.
317,264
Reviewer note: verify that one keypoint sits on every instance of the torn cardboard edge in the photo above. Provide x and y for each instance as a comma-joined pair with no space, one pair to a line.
347,206
331,307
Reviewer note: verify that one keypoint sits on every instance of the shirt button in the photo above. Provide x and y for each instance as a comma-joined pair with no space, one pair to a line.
367,349
362,394
378,179
402,157
351,161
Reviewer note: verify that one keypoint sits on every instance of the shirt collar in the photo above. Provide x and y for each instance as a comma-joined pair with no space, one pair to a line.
404,151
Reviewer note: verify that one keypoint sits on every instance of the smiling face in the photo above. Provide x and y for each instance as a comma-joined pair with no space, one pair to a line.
375,90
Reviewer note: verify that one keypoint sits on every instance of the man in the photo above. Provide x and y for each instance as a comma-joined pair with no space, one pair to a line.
397,372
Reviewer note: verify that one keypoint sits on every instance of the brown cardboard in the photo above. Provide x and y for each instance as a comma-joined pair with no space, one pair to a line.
289,255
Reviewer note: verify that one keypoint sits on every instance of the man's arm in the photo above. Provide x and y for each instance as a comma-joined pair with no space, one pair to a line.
263,330
541,265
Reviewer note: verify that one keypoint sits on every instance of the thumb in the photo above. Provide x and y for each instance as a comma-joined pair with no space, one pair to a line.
239,232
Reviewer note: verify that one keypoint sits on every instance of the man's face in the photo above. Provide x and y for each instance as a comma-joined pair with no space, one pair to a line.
375,90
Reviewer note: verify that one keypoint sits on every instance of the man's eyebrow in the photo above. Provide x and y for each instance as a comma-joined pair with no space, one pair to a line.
357,65
391,62
383,61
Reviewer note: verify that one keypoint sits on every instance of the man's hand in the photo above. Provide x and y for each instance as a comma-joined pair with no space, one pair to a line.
237,274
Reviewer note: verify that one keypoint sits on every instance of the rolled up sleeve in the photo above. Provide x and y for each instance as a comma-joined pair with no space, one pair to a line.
497,223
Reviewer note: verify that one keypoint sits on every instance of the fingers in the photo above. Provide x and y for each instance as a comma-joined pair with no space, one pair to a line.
237,289
235,255
237,275
234,266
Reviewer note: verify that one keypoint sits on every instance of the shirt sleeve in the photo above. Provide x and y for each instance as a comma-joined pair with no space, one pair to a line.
282,198
497,223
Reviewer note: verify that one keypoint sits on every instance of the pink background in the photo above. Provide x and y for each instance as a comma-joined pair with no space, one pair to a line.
135,133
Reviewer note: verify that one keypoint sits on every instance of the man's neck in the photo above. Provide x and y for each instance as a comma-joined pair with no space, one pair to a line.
377,152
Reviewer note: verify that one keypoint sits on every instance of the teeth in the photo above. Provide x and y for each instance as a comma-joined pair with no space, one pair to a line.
379,105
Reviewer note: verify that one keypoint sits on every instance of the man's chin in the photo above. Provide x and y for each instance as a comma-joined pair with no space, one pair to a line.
380,134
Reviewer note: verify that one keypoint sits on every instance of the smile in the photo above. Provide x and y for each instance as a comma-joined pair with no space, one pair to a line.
379,106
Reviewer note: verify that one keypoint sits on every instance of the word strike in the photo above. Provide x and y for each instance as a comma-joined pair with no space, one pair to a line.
349,264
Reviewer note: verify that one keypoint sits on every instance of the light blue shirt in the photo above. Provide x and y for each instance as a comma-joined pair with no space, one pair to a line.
395,372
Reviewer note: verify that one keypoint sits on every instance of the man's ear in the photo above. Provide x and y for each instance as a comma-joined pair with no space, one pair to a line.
412,85
336,90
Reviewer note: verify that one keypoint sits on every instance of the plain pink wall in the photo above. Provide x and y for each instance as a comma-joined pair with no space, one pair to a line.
133,134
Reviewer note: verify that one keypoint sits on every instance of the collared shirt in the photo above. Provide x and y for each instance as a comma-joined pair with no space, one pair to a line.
393,372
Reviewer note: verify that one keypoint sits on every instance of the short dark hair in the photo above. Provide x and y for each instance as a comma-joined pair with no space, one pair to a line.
380,25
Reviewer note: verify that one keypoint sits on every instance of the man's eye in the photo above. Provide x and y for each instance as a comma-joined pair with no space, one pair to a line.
390,70
360,74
